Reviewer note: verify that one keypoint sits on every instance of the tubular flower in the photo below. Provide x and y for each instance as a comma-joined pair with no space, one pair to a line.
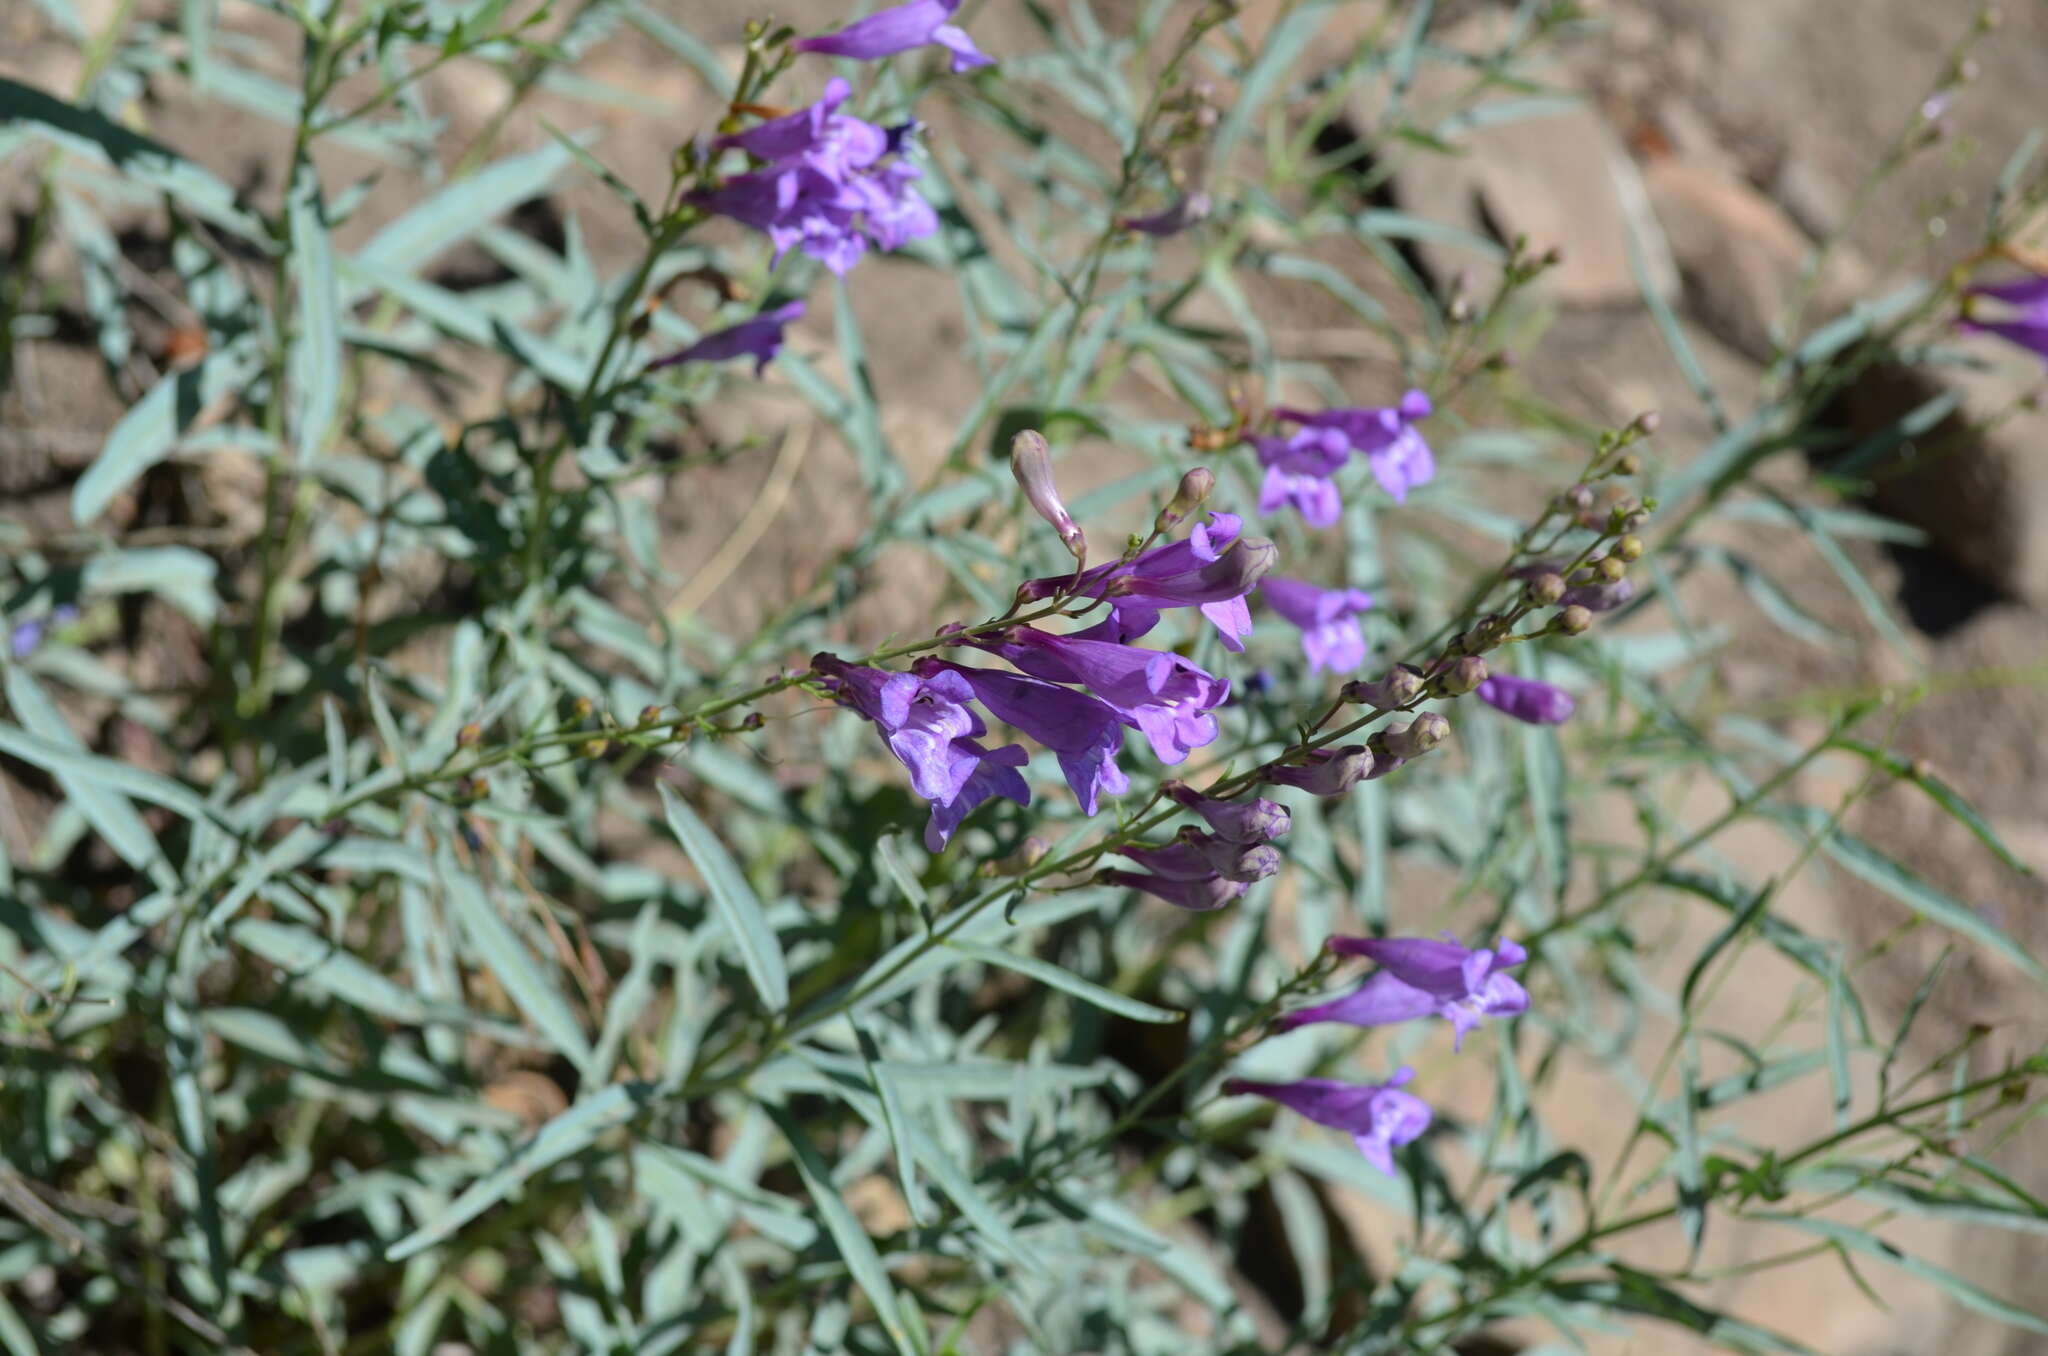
2021,317
898,29
759,338
1419,976
1083,733
1158,693
1526,699
1196,896
1299,471
1031,464
1212,569
1241,821
1601,597
1195,855
1328,772
1187,210
1328,619
832,184
1386,435
1379,1117
927,723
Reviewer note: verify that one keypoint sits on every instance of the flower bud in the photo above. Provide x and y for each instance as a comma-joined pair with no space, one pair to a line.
469,736
1633,522
1577,497
1401,686
1629,548
1462,676
581,708
650,714
1325,772
1573,620
1627,464
1602,597
595,748
1610,568
1195,488
1031,463
1647,423
1414,739
1546,588
1240,821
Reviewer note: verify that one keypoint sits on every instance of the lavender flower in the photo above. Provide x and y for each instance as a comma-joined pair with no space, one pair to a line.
825,188
1197,896
1185,211
28,636
1386,435
1083,733
1328,772
759,338
1526,699
1419,976
1241,821
1328,620
2021,319
929,726
1195,855
1212,569
1156,692
898,29
1600,597
1299,471
1378,1116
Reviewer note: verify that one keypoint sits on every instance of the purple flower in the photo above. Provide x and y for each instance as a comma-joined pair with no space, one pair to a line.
929,726
1378,1116
1031,464
27,637
1197,896
898,29
1600,597
1400,460
1241,821
1299,468
2022,318
1328,772
1328,620
1175,217
825,189
995,774
1154,691
1083,733
1195,855
1526,699
1212,569
1419,976
759,338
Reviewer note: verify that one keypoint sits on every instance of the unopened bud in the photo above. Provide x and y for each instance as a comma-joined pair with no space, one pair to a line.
1413,740
1573,621
1647,423
595,748
1401,686
754,720
1634,522
650,714
1627,464
1920,770
1629,548
468,736
1031,463
1546,588
581,708
1463,675
1195,488
1577,497
1610,568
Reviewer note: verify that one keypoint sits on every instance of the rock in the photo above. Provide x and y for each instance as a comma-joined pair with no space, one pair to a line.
1740,255
1562,181
1975,483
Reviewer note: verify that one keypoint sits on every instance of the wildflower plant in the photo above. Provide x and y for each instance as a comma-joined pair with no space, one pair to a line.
536,964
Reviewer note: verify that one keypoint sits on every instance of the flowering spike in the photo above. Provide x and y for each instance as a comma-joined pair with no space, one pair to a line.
1031,463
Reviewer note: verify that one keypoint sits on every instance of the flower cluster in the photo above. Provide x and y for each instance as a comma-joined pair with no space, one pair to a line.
1201,870
1301,466
825,182
1075,693
1417,977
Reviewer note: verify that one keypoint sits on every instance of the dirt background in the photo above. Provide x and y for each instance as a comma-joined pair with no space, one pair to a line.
1727,137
